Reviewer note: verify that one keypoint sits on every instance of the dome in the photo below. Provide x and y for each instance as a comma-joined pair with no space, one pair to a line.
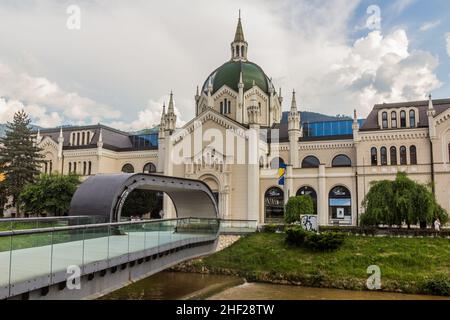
229,74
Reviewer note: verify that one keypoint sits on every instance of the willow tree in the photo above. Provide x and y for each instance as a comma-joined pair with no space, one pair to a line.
402,201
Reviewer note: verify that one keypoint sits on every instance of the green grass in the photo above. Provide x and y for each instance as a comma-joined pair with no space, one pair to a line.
406,263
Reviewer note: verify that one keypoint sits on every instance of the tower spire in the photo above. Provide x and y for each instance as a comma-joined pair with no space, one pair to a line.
294,102
239,45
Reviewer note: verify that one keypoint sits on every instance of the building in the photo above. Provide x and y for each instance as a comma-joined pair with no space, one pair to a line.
240,137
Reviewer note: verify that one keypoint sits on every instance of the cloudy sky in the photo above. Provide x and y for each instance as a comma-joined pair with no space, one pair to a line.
120,66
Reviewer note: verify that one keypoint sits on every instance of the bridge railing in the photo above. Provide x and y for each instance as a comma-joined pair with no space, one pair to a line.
41,257
230,226
7,224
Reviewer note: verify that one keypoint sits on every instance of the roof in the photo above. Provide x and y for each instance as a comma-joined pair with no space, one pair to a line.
113,139
229,74
239,36
371,122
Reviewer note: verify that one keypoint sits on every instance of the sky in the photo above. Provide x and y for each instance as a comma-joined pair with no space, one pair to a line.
119,67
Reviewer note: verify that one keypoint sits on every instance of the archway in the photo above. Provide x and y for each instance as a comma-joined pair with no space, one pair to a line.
274,205
308,191
213,184
340,205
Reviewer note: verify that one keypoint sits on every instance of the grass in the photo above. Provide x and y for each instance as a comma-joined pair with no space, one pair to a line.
406,263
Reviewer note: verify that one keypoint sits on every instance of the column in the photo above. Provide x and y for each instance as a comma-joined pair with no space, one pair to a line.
322,207
253,174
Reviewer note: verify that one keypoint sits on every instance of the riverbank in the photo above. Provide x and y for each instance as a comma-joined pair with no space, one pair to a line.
408,265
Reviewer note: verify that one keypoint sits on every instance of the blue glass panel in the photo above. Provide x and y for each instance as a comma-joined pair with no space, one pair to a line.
340,202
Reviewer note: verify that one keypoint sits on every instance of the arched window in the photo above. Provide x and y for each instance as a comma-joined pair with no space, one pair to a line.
384,120
373,156
341,161
51,166
412,118
75,167
83,139
275,163
393,152
70,167
89,168
237,49
340,205
45,167
403,160
221,107
88,138
78,139
394,119
403,119
413,155
383,156
308,191
274,204
84,168
149,168
229,107
72,140
310,162
128,168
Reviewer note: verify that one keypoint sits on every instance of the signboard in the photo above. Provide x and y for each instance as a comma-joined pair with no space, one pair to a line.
309,222
340,213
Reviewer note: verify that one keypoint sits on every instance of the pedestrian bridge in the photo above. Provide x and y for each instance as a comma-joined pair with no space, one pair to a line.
42,258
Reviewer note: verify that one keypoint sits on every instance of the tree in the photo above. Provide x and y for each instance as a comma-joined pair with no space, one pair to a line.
298,206
402,201
19,157
3,197
51,194
139,202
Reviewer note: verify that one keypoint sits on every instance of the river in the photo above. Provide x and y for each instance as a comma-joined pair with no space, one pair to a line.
177,285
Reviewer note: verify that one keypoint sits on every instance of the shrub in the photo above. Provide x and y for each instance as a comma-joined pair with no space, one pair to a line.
438,285
325,241
298,206
271,228
296,235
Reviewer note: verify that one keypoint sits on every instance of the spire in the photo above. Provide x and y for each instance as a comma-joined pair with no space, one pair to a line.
171,108
60,132
239,46
239,35
430,103
293,103
355,117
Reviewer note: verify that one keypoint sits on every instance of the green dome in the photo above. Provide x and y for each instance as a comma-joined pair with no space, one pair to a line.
229,73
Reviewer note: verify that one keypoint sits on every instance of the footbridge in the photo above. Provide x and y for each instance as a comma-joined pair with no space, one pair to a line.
93,252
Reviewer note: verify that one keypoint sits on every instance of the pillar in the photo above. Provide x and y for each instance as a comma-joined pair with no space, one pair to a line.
322,207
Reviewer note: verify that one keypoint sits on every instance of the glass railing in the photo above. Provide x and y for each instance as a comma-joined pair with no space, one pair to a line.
228,226
7,224
45,253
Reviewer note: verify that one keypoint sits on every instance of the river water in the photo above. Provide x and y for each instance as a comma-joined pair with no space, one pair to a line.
177,285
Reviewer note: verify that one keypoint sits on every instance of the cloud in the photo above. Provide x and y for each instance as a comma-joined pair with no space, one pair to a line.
46,101
399,6
429,25
381,68
448,44
39,115
150,116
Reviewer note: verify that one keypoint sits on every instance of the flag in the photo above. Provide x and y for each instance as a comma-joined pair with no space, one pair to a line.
281,173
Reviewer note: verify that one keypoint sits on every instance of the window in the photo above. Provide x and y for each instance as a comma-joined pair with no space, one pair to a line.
394,119
89,168
78,139
275,163
373,156
75,167
83,139
383,155
261,162
340,205
51,166
393,156
384,119
413,155
274,204
128,168
412,118
149,168
403,160
310,162
45,167
88,138
221,107
70,167
402,119
84,168
341,161
229,107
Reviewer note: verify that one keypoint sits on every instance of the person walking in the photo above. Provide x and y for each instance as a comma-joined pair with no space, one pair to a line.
437,225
